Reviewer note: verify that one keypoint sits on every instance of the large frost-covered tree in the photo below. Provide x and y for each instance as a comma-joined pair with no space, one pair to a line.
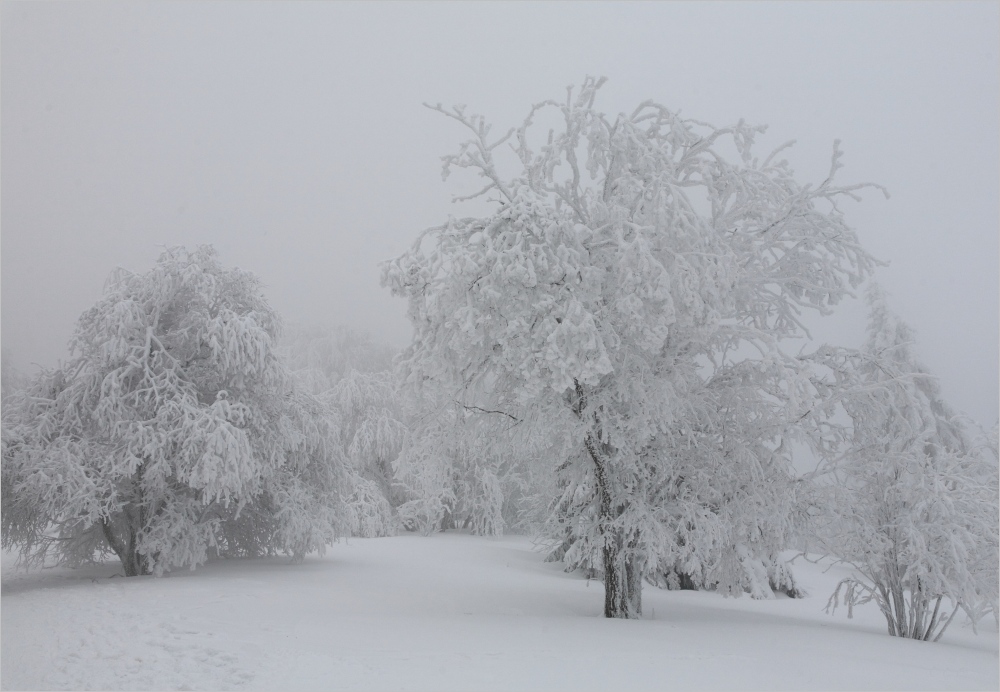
172,431
909,500
617,261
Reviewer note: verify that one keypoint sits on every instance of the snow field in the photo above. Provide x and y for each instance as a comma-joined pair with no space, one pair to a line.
448,612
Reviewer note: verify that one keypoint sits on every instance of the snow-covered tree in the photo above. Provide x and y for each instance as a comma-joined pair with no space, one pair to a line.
320,356
173,431
372,431
619,258
720,488
911,502
353,375
725,490
460,469
449,473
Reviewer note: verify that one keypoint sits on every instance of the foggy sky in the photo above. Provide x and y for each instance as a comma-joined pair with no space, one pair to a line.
292,137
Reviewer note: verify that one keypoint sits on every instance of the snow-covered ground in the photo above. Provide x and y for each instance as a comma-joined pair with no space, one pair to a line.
448,612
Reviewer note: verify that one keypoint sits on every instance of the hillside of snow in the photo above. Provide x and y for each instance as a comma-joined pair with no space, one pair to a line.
448,612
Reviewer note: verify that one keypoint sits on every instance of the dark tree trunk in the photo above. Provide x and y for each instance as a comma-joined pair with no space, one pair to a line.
686,582
624,565
623,573
133,519
126,546
624,568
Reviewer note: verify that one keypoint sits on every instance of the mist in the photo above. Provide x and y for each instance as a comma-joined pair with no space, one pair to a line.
293,137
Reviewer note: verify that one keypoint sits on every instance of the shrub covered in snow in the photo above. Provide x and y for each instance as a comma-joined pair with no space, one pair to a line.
911,500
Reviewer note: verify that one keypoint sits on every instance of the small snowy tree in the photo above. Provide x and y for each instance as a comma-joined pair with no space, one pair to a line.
173,430
464,470
372,431
911,504
591,305
353,375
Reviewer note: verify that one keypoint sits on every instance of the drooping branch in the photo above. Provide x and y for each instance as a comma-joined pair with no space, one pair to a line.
483,410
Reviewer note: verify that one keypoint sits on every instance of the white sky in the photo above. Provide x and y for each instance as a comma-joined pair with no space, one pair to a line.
292,137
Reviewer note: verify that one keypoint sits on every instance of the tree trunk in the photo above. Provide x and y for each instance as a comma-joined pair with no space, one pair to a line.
624,565
133,519
623,575
624,568
126,547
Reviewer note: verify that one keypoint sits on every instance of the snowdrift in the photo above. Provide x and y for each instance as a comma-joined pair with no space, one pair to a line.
448,612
